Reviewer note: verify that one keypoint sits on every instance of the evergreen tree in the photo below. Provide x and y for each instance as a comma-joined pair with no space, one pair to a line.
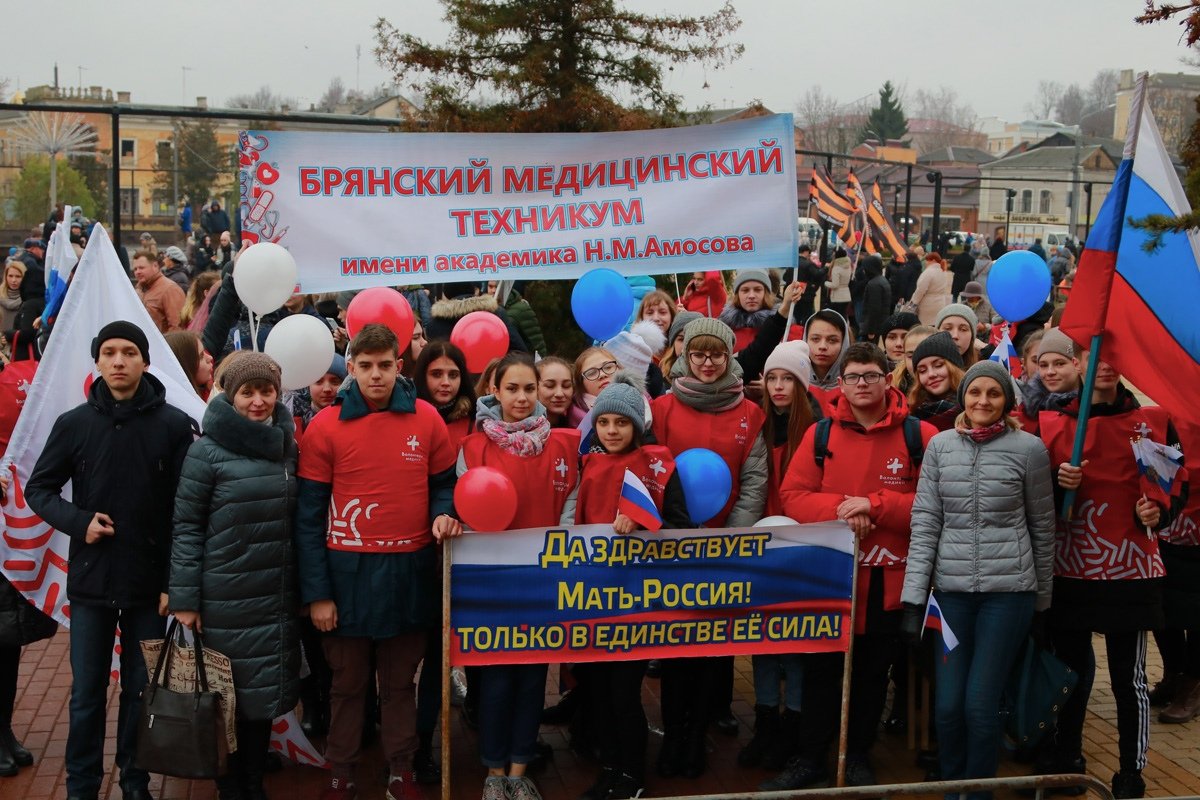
201,162
886,120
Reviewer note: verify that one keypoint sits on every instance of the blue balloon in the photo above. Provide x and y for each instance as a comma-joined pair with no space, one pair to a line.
601,303
706,483
1018,285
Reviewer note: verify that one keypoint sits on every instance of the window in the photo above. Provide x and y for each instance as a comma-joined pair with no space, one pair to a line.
162,207
163,152
128,149
1044,202
1027,201
129,202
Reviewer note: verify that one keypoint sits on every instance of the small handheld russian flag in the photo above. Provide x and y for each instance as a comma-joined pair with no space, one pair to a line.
1159,466
1006,355
637,504
935,620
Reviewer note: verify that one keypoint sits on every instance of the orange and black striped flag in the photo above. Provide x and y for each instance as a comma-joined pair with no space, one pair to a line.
858,202
881,225
828,203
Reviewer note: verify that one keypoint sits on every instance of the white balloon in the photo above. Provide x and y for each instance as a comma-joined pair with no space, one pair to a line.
768,522
302,346
265,277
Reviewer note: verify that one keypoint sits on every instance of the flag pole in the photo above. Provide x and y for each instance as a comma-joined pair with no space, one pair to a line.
1085,411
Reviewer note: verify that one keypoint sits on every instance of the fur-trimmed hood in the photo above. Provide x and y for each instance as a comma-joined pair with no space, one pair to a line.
458,308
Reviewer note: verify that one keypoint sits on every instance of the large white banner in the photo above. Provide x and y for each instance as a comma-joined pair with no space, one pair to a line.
382,209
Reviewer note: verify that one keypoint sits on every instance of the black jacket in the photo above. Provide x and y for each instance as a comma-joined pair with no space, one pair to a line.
122,459
962,266
877,306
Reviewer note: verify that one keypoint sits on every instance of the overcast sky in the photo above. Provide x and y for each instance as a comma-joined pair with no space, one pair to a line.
993,53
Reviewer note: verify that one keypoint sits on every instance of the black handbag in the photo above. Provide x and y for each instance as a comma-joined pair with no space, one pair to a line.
21,622
181,733
1038,688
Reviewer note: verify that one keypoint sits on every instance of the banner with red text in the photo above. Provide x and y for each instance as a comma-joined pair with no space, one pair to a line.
585,594
381,209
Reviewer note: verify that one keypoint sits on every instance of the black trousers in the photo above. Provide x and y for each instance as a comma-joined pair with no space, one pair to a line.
1180,650
1127,669
10,662
617,716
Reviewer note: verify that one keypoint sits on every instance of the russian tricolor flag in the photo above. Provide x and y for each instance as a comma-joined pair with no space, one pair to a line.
1159,465
1006,355
637,504
935,620
1144,303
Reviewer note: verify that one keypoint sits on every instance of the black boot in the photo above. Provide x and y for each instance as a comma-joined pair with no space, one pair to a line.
561,712
786,744
670,757
9,742
766,731
254,763
229,785
8,764
695,744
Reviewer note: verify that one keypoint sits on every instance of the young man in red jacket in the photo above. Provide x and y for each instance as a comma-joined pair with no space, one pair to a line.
866,474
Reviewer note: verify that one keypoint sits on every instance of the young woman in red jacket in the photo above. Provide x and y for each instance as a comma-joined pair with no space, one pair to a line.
615,687
442,381
516,438
706,408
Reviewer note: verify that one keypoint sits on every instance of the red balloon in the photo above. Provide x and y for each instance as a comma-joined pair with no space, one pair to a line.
482,336
485,499
385,306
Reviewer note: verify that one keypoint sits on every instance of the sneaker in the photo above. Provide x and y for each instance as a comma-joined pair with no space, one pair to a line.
403,787
458,687
859,772
426,769
800,773
522,788
1128,783
603,785
627,787
339,789
495,787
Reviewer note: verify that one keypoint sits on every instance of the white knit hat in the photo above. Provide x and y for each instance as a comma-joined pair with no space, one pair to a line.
634,349
793,357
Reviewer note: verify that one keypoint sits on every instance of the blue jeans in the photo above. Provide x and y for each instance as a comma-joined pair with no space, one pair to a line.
990,627
768,670
511,697
92,632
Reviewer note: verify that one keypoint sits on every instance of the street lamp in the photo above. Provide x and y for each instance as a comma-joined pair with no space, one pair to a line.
935,177
1009,196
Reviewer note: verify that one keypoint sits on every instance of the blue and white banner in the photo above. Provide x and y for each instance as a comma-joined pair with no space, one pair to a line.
381,209
586,594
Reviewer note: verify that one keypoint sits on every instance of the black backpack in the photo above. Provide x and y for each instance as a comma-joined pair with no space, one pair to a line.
912,441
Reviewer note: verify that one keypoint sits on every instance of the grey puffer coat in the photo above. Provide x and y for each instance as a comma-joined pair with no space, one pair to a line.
232,557
983,518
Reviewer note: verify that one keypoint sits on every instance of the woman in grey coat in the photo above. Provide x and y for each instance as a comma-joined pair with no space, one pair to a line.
983,540
233,567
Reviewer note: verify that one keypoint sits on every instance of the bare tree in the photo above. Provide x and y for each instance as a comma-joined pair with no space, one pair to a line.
264,100
954,123
1071,105
1045,100
1102,91
829,125
335,95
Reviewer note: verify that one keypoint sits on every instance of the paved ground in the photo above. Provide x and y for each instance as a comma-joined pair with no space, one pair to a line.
41,723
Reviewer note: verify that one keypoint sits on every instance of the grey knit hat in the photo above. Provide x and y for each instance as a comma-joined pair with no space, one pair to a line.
707,326
250,367
745,275
1055,341
175,254
993,370
623,396
957,310
680,322
939,345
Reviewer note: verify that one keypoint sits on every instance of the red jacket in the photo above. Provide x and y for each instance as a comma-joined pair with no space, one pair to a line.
709,299
730,434
1185,529
872,462
603,474
543,482
1104,539
459,429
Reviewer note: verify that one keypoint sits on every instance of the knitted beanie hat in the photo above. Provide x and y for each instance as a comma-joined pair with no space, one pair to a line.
121,329
250,367
175,254
939,345
1055,341
993,370
680,322
631,351
338,367
902,320
957,310
707,326
793,357
744,275
623,396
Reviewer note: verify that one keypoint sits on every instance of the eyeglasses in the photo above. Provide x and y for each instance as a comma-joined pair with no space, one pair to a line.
607,368
698,358
869,378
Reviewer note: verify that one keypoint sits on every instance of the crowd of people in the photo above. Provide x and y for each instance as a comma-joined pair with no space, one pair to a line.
309,521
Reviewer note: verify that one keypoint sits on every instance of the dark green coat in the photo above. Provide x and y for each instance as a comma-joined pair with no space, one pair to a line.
520,312
232,556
